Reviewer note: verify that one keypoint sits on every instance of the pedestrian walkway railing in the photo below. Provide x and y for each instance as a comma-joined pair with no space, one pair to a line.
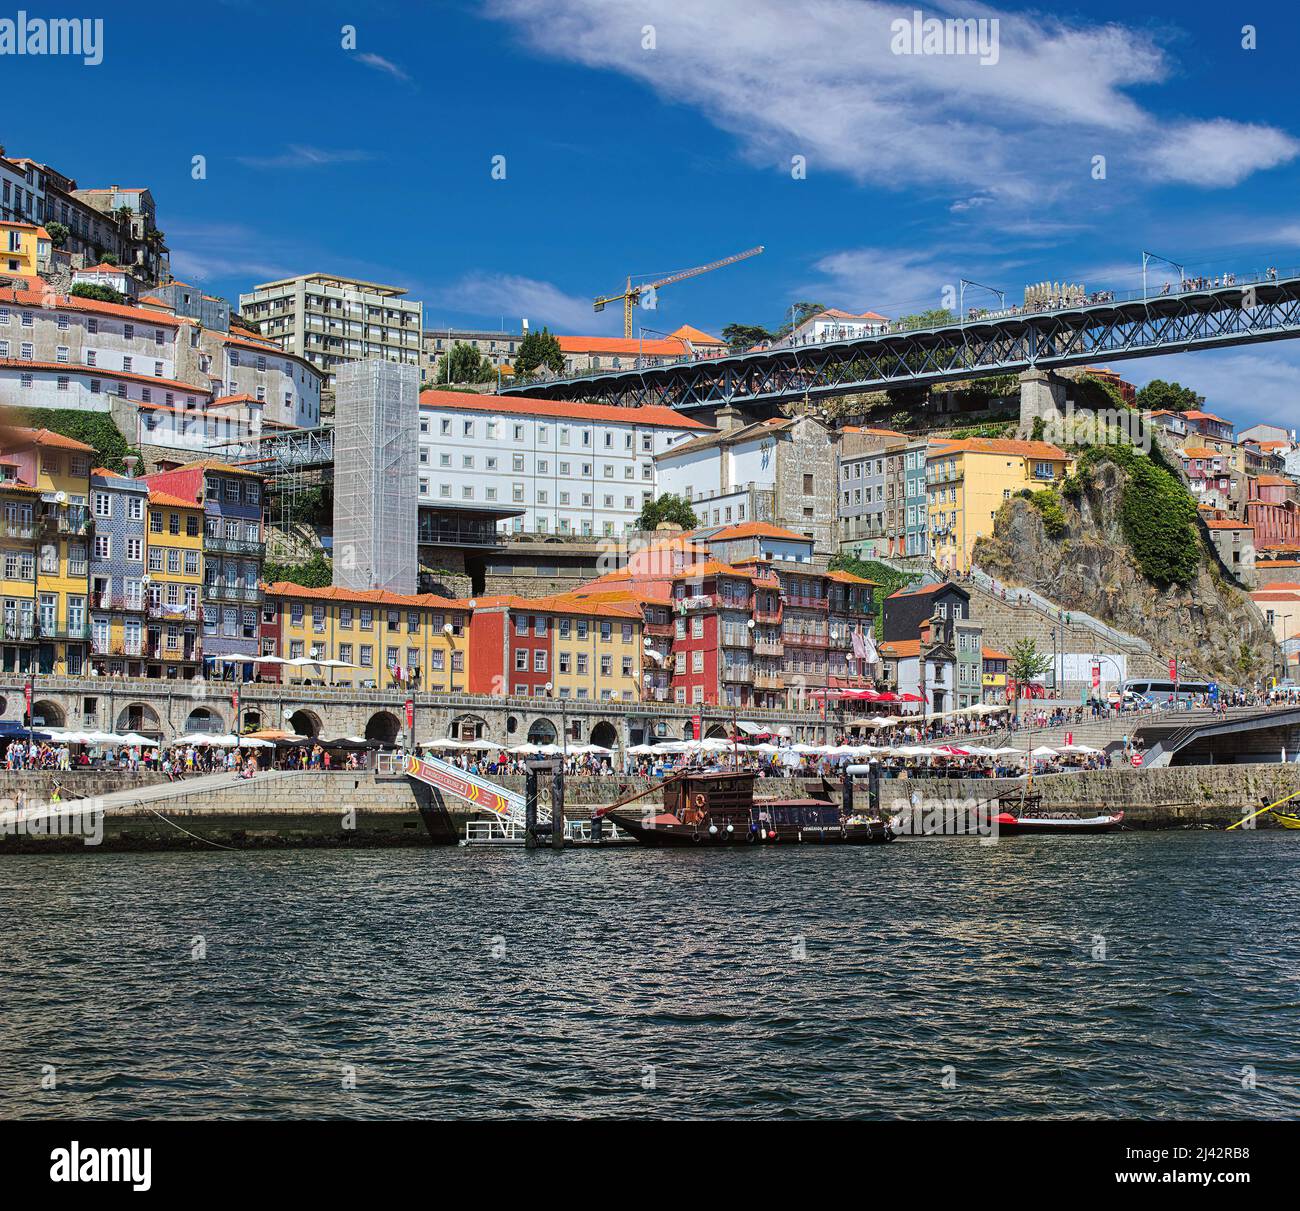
1018,595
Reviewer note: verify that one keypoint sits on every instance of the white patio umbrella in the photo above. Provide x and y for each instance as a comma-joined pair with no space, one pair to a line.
139,741
1044,750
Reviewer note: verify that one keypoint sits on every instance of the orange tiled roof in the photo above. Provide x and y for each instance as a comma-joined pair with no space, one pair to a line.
848,578
649,414
49,300
157,497
622,345
1002,445
45,437
1227,523
994,654
695,336
1200,452
757,529
286,588
901,647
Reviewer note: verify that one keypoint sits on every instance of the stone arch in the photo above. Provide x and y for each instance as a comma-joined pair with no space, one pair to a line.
468,727
204,719
47,714
305,723
251,721
715,732
383,726
688,730
138,717
605,734
512,725
543,731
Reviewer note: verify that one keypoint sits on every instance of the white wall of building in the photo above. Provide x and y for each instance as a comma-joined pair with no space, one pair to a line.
571,475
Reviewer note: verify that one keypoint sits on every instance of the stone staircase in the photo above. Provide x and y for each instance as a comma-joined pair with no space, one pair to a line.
1010,614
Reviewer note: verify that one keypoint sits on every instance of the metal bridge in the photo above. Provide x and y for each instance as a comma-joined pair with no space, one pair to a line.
1184,317
275,454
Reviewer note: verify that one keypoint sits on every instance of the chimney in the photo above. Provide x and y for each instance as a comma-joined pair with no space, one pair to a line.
728,418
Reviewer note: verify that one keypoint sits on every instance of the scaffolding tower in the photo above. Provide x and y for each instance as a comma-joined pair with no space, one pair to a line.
376,427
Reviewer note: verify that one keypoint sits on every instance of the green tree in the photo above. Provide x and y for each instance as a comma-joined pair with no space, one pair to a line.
1159,395
58,234
796,315
94,428
742,336
927,319
669,508
315,573
1026,663
90,290
537,351
465,364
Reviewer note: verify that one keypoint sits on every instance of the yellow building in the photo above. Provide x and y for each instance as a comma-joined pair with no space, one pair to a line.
24,248
44,596
388,640
968,481
173,586
598,650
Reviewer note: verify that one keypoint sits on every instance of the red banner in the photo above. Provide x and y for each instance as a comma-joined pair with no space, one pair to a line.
410,713
27,698
696,724
1173,669
1096,678
470,787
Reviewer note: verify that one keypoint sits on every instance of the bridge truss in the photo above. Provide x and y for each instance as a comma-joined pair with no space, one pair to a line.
1249,311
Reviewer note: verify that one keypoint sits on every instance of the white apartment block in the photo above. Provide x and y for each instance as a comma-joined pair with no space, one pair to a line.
166,380
330,320
575,469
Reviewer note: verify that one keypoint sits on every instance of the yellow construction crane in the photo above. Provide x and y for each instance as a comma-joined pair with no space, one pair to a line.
632,294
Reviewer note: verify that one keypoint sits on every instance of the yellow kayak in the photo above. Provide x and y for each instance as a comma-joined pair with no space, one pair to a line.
1286,820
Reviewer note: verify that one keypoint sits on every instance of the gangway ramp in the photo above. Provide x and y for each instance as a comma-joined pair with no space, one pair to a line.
505,805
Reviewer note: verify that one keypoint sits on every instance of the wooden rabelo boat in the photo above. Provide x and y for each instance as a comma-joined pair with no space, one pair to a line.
1039,823
717,807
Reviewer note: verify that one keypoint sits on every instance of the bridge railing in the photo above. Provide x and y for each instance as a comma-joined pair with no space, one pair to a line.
1101,298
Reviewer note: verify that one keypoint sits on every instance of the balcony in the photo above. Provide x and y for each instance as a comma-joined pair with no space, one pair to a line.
486,535
703,601
66,521
17,529
805,640
660,630
117,601
173,613
222,592
737,639
19,632
768,616
807,603
53,630
769,681
233,546
160,651
115,648
768,647
737,672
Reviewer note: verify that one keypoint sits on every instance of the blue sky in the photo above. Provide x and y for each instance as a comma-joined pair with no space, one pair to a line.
628,151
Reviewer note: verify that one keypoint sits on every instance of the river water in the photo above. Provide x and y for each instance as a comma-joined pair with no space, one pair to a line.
1143,974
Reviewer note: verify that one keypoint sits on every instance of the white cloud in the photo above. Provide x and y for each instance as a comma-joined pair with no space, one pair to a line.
892,281
379,63
1220,153
516,297
299,155
820,80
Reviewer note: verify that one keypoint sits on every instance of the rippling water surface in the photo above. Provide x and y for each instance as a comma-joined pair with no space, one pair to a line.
925,978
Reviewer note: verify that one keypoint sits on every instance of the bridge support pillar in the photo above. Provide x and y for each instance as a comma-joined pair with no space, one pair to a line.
1042,394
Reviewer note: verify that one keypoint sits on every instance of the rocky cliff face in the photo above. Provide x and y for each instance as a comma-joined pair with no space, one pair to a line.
1091,568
